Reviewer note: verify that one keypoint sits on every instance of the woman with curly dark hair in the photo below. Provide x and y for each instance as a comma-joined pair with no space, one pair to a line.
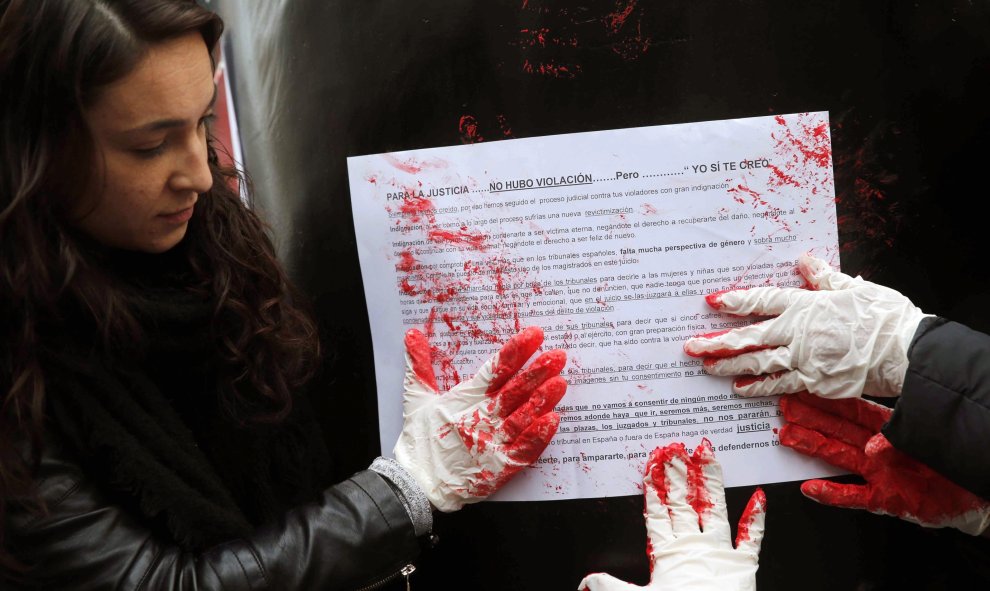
152,434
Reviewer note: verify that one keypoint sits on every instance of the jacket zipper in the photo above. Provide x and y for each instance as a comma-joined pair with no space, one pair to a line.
404,572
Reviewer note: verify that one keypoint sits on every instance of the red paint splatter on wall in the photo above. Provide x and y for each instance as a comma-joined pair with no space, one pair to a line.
470,130
554,40
869,218
467,127
549,68
503,124
628,44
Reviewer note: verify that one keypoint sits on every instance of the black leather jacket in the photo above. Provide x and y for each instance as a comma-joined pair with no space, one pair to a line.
358,534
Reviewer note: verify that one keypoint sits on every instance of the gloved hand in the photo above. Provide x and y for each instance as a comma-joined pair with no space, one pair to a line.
845,433
838,339
687,525
463,445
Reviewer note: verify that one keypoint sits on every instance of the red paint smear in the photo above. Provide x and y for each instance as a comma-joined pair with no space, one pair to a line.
740,192
453,293
783,178
415,208
418,349
513,355
540,403
551,69
407,263
517,390
630,43
413,166
616,20
429,322
811,141
757,504
801,161
697,492
541,37
523,452
503,124
654,467
533,441
868,220
463,237
896,484
468,129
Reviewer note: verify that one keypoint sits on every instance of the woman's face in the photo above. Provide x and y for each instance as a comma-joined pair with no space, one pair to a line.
149,130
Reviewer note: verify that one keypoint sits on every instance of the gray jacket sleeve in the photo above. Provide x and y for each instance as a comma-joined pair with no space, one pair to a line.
942,417
357,534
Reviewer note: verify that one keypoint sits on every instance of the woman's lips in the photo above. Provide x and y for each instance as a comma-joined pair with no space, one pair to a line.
179,217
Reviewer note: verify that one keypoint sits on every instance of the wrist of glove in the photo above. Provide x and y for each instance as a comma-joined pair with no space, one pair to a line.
846,433
688,535
462,445
838,339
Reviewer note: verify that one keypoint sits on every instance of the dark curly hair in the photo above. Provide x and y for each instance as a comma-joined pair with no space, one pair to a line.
55,57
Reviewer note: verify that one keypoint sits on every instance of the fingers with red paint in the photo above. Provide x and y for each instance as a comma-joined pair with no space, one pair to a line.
706,493
519,389
504,365
463,445
419,363
542,401
845,433
842,337
689,543
749,536
513,355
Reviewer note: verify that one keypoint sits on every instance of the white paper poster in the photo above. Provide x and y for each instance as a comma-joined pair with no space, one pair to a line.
608,241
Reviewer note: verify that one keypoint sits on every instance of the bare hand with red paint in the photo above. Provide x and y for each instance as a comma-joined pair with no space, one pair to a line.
463,445
839,339
687,527
846,433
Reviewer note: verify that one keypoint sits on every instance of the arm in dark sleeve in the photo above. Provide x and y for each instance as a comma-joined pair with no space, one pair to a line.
357,533
943,415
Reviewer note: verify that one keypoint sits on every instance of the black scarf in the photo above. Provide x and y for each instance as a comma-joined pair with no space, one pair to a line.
152,428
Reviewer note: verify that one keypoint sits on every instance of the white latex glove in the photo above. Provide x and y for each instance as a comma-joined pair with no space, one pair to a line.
689,541
463,445
838,339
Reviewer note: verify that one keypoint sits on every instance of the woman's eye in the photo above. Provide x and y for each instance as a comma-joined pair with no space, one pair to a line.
151,152
207,119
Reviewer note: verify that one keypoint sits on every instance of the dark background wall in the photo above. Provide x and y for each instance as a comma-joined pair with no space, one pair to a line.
907,85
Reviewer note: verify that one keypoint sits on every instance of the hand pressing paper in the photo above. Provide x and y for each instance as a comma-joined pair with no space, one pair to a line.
687,526
846,433
463,445
840,339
